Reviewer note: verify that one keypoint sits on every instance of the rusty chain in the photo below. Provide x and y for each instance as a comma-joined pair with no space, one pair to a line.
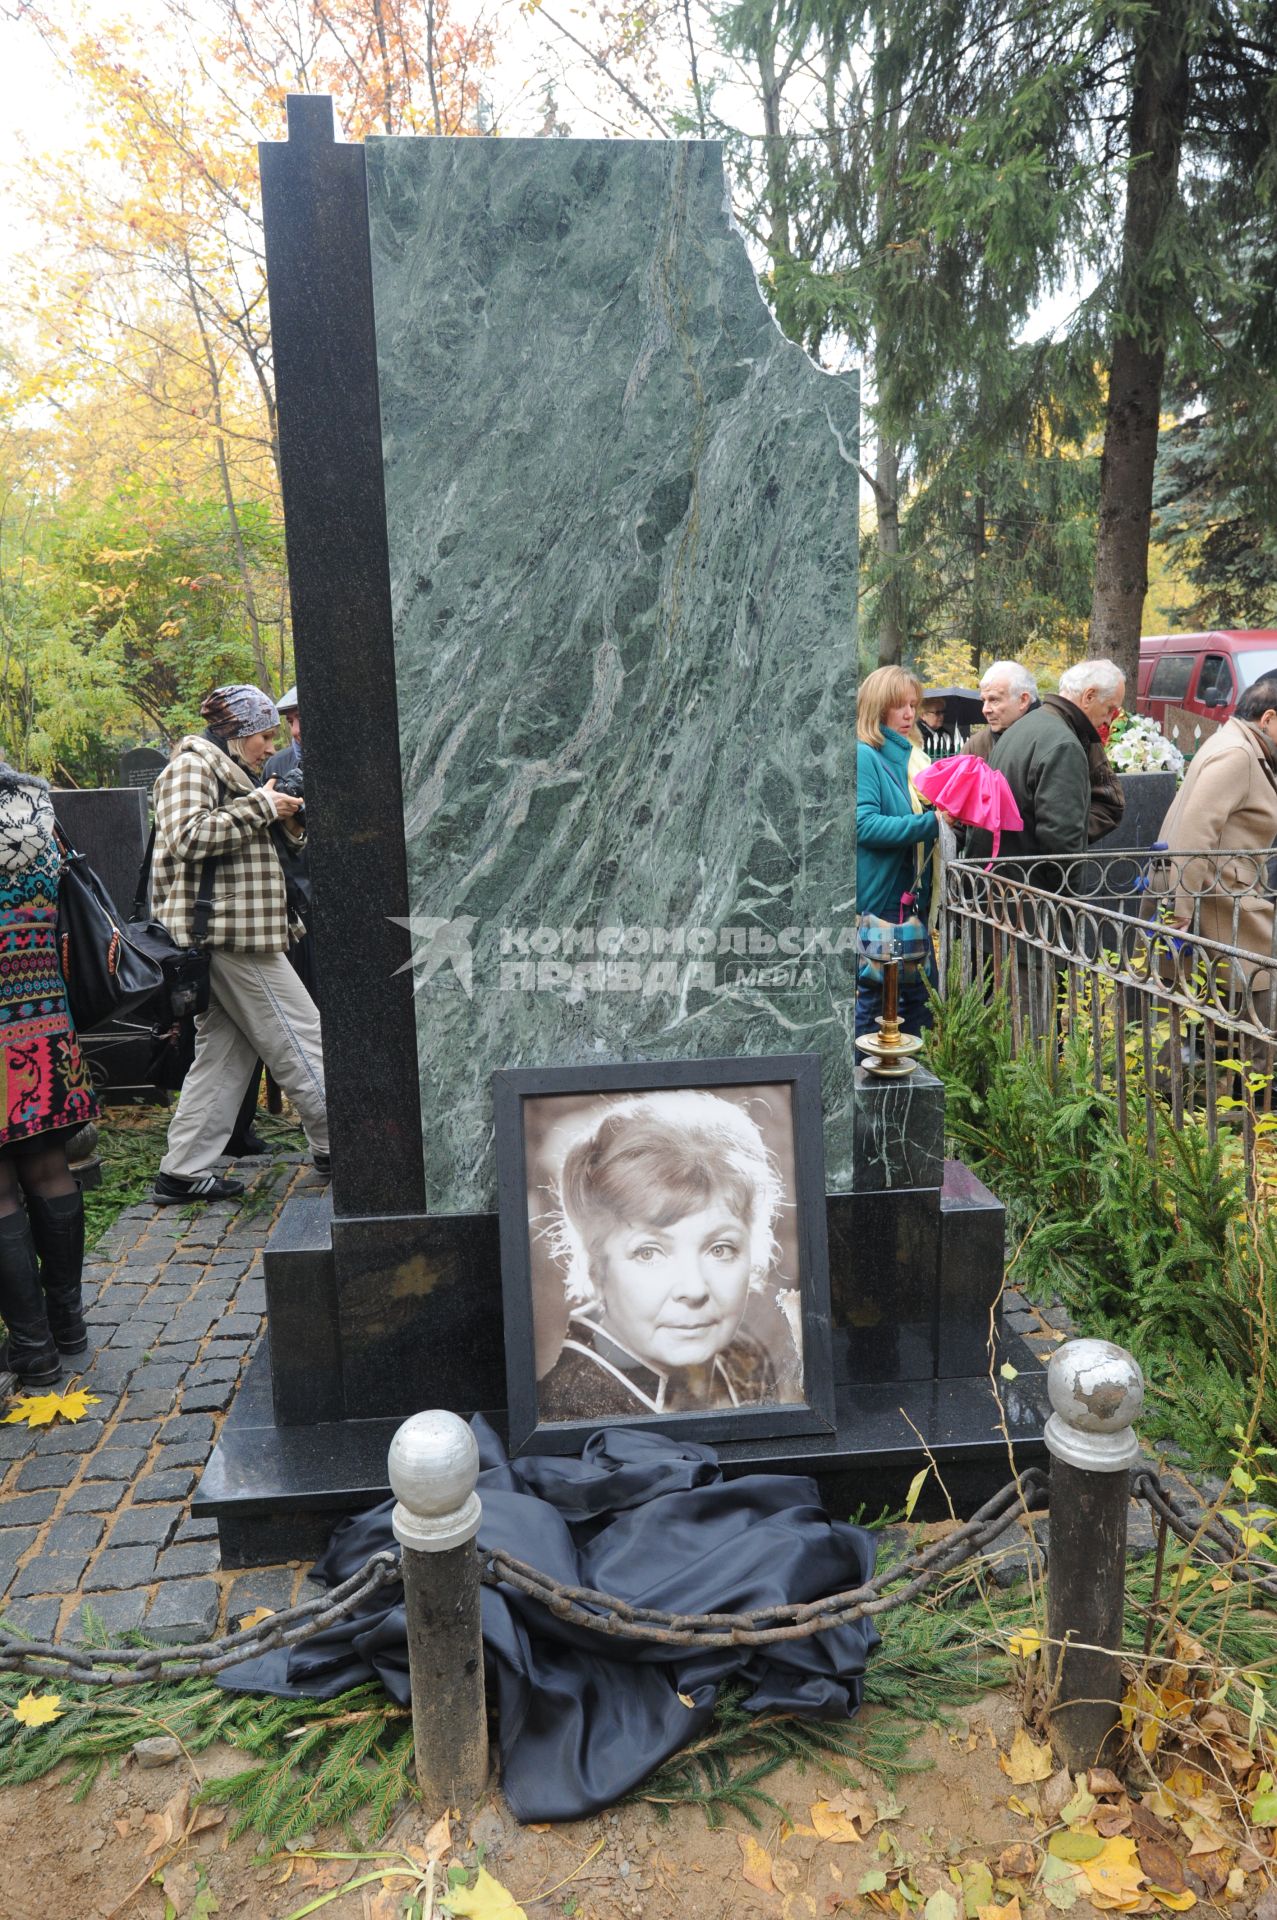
601,1612
1193,1531
899,1584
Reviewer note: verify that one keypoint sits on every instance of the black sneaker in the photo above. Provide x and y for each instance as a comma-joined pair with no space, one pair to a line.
171,1190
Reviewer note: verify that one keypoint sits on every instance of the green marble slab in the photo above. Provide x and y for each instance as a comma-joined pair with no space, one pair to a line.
622,513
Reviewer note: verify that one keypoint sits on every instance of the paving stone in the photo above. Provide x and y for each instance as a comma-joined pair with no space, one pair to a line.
131,1431
212,1373
14,1542
121,1567
152,1400
163,1486
251,1297
159,1371
1141,1531
123,1293
310,1590
15,1442
51,1573
226,1350
105,1316
261,1587
182,1273
187,1426
145,1526
192,1557
74,1533
112,1614
138,1333
183,1611
114,1463
112,1369
208,1399
238,1326
183,1453
192,1323
97,1496
195,1530
28,1510
80,1437
49,1470
183,1354
216,1287
38,1619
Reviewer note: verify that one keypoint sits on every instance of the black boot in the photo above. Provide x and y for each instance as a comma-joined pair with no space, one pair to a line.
30,1349
57,1227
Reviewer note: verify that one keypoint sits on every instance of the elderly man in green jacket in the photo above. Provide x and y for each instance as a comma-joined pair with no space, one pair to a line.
1045,759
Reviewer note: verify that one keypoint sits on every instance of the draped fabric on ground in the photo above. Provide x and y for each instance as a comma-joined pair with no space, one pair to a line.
581,1719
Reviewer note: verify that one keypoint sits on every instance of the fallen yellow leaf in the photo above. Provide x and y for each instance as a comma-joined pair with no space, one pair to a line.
439,1838
487,1899
831,1823
37,1710
1028,1761
1115,1874
1177,1902
42,1409
1030,1641
915,1488
255,1618
757,1867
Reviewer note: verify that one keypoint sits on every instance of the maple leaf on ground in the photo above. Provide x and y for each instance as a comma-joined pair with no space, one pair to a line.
487,1899
255,1618
37,1710
1027,1761
1115,1875
42,1409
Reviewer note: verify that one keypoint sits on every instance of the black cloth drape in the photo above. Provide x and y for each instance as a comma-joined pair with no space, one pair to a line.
581,1719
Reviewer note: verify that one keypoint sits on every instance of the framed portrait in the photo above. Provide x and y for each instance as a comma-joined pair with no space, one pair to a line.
663,1250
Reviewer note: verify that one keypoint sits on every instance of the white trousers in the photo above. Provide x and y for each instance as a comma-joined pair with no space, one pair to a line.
258,1009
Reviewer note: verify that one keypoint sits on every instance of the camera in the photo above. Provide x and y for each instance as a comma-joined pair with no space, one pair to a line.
291,784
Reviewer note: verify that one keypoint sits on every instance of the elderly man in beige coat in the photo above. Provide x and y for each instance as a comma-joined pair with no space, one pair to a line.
1228,804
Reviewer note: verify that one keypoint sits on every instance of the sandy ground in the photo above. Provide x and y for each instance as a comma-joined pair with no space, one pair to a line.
100,1859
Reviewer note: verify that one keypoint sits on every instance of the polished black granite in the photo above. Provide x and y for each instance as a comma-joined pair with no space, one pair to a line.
315,207
883,1266
276,1491
301,1305
972,1252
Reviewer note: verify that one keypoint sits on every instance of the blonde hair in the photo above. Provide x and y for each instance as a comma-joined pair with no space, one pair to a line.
880,691
652,1158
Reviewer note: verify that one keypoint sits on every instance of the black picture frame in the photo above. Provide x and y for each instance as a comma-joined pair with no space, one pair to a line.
796,1077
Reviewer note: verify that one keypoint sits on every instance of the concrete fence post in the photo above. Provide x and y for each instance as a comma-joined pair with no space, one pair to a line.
1096,1391
434,1466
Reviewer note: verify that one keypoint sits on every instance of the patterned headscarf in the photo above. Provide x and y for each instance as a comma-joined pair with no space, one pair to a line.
233,712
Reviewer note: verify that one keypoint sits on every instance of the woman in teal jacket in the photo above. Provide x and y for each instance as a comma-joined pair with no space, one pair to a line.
894,831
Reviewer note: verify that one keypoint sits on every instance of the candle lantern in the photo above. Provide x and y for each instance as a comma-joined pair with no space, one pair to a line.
887,947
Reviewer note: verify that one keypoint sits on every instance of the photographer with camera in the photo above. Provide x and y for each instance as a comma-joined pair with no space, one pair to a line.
209,801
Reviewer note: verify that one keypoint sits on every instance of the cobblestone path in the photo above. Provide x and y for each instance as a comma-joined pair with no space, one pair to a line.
97,1514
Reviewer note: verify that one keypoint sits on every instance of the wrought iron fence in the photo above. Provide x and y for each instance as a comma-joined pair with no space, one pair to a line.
1167,963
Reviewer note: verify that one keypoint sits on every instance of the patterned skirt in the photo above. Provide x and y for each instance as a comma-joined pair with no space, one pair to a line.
44,1083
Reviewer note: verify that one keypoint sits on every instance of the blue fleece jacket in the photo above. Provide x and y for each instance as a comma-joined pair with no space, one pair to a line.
888,831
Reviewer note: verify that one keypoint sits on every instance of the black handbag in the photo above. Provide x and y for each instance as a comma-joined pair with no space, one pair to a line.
107,970
185,974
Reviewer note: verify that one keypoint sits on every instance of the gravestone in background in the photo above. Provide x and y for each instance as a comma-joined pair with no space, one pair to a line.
141,766
572,553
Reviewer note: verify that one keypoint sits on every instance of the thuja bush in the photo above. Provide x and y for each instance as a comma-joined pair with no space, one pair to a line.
1160,1251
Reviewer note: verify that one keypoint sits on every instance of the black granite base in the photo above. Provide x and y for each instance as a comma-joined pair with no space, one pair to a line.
277,1491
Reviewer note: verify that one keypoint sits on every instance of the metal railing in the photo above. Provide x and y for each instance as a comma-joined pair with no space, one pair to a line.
1167,963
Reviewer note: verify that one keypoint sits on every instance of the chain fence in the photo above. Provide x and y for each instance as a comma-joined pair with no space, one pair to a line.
896,1586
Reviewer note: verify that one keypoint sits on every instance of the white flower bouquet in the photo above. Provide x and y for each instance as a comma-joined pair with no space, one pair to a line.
1138,745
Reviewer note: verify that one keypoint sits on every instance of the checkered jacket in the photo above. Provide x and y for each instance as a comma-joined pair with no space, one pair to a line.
250,909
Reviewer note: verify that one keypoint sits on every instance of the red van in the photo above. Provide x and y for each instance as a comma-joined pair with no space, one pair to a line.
1201,673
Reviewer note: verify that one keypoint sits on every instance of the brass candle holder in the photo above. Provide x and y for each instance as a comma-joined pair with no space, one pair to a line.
889,1052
